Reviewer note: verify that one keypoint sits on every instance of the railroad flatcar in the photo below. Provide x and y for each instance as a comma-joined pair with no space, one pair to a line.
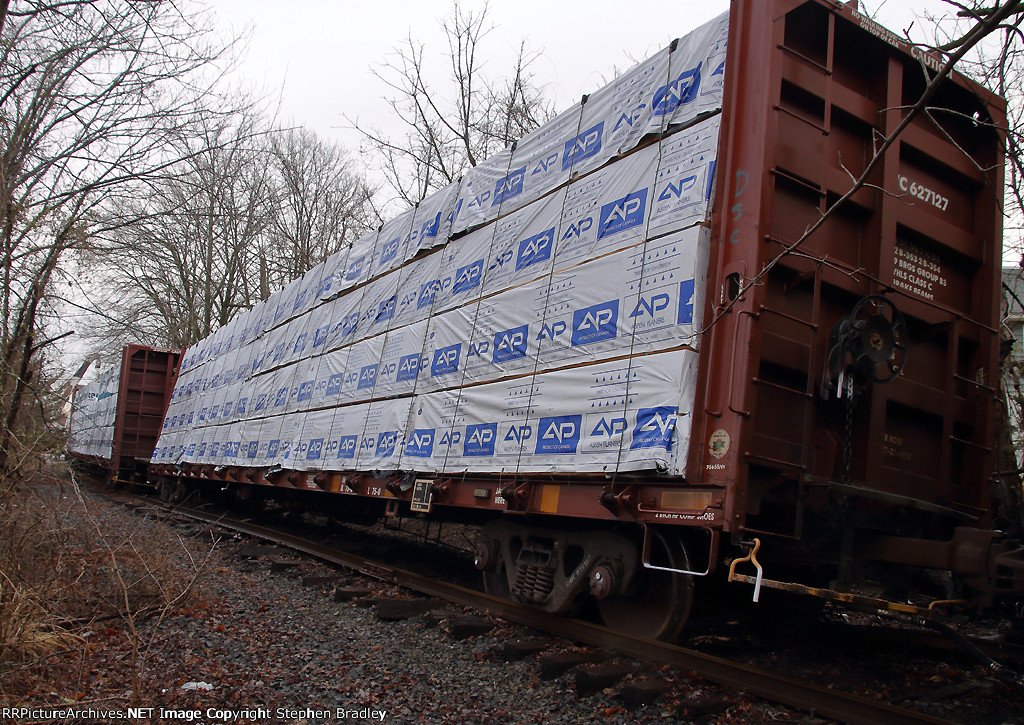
726,309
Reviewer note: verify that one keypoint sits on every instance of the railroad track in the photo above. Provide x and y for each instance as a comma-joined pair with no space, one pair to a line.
772,686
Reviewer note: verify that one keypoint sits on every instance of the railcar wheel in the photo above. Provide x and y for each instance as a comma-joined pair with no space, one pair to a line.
496,584
658,604
496,578
180,493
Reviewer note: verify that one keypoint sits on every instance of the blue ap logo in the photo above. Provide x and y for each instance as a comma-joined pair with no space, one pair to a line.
582,147
347,446
300,300
430,228
450,438
320,336
468,277
480,439
239,409
215,449
680,91
314,448
629,119
686,302
367,377
389,251
650,305
476,202
552,331
608,427
325,285
622,213
355,268
408,367
386,442
654,427
595,323
282,397
305,391
559,434
261,403
576,229
300,344
535,249
386,370
420,443
386,310
334,384
677,189
519,434
510,344
349,324
509,187
202,449
501,258
251,449
273,448
544,164
427,293
446,359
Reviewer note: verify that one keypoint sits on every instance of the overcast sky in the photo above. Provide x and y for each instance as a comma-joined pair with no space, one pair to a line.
317,58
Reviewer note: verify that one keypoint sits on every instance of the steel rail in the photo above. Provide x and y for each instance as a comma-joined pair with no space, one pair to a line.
771,686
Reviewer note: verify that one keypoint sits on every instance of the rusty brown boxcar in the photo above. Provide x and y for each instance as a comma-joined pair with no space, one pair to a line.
848,392
115,422
842,433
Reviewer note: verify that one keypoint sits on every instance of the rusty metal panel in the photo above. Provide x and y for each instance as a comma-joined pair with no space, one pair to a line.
811,89
147,379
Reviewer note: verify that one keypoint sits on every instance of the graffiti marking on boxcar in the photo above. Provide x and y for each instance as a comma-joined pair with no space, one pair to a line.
742,179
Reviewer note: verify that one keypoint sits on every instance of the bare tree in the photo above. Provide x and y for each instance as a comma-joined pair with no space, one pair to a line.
92,97
449,131
244,212
321,205
179,256
993,32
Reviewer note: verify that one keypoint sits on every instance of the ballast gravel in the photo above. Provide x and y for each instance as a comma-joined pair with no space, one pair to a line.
250,646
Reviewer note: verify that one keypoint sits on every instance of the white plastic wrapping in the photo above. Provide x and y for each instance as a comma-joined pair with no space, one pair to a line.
618,415
546,156
540,315
94,414
484,188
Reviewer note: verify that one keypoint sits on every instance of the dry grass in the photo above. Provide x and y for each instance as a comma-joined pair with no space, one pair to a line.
63,571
